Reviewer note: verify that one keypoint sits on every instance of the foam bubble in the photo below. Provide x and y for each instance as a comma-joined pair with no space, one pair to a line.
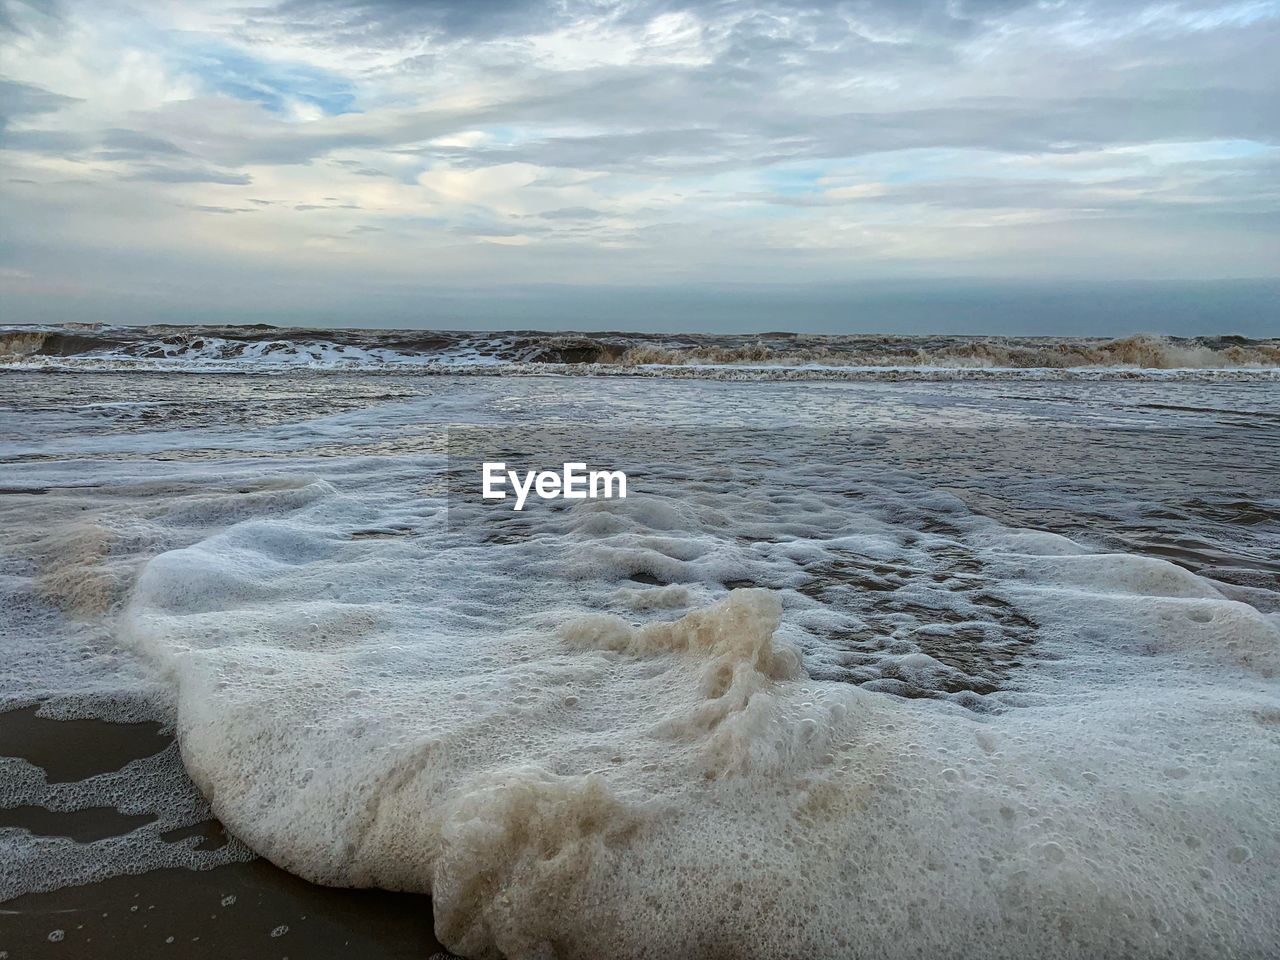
640,788
921,731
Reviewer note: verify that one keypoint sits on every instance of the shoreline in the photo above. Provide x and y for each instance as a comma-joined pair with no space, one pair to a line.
250,908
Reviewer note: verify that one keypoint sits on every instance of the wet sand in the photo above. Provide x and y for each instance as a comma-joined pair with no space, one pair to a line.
240,910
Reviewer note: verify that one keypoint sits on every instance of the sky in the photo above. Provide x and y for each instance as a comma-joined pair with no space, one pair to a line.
987,166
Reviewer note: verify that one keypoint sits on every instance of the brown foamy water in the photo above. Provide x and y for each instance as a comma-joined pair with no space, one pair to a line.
858,669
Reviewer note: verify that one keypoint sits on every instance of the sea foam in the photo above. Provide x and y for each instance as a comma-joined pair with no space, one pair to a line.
812,706
587,785
260,348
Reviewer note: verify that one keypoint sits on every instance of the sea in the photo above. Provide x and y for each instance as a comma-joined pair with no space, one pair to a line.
896,647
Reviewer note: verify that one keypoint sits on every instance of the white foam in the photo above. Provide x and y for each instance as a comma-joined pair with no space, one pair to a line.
574,763
154,786
195,349
634,790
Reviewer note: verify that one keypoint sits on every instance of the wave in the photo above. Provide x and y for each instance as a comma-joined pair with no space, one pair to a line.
793,697
264,348
1143,351
571,780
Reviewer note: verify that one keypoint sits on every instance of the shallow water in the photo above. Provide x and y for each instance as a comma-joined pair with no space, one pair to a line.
857,669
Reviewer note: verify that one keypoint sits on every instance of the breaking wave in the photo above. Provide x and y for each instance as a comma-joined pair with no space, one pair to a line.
263,348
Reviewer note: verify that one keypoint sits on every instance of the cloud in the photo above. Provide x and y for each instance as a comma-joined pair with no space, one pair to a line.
573,213
280,87
23,17
388,21
591,141
131,145
188,175
24,99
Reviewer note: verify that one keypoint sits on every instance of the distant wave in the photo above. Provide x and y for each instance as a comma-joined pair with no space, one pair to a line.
263,348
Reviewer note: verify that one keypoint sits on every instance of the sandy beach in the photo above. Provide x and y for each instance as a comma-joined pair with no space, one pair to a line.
249,909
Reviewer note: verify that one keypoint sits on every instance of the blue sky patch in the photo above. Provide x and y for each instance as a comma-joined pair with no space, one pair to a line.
272,84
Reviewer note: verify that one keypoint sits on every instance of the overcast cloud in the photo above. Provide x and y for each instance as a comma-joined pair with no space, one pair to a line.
777,164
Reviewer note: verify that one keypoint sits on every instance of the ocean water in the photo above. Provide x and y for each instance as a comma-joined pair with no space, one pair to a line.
262,348
859,668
